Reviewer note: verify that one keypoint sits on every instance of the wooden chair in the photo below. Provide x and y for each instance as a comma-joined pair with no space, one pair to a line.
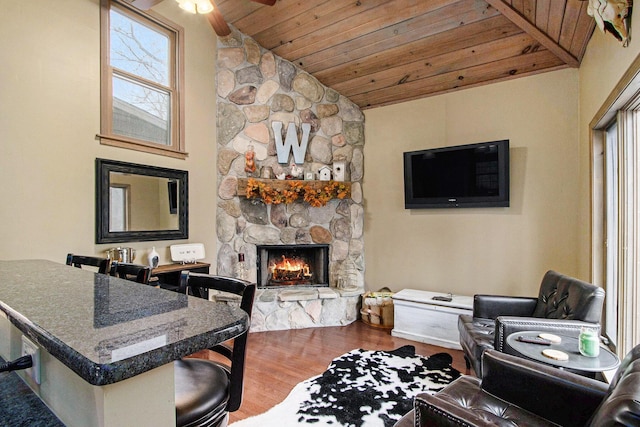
134,272
79,260
206,391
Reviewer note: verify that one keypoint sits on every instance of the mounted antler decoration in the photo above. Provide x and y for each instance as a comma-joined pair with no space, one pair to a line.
613,16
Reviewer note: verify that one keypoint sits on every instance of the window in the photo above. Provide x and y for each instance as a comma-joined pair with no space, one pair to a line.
141,81
616,210
119,207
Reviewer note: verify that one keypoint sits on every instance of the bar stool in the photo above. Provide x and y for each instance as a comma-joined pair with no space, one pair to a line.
206,391
79,260
134,272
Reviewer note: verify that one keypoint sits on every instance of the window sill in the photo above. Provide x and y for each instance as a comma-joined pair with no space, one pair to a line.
140,146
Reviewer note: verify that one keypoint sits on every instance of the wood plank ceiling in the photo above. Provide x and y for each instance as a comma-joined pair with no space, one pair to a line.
381,52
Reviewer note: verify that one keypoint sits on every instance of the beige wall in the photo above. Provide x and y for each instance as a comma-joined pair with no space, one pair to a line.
603,65
50,114
482,250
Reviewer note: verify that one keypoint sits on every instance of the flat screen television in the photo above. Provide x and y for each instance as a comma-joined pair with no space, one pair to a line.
463,176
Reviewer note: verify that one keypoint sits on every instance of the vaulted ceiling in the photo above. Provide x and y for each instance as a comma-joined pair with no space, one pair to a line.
380,52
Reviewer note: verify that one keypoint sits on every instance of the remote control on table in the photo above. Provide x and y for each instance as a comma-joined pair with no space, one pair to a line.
534,340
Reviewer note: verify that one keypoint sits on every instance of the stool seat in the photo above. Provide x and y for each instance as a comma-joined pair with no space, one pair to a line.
201,392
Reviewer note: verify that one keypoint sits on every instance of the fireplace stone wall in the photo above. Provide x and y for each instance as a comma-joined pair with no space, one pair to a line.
255,88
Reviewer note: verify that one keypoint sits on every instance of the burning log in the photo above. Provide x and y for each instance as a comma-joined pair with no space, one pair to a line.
290,271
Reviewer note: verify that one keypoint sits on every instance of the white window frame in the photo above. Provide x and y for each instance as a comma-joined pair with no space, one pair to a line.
616,241
176,84
120,197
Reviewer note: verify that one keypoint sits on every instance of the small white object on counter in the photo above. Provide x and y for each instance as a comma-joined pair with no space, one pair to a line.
153,258
188,253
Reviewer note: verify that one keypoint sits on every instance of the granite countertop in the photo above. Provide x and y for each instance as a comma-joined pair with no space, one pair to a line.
107,329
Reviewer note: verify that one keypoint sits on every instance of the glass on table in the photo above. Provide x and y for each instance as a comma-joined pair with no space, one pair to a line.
589,341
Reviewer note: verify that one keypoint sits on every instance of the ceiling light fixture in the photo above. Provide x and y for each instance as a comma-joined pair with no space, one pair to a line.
196,6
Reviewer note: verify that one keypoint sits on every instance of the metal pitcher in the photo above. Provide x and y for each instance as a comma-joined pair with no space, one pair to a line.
121,254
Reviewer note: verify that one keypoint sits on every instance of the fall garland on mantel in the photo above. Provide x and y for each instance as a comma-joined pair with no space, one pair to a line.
294,190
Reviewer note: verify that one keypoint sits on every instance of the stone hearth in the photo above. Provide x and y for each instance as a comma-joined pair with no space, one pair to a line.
281,309
276,309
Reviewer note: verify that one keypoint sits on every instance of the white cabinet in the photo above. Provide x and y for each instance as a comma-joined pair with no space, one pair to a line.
418,317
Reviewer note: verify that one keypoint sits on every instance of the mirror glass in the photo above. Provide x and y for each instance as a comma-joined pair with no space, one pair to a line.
138,202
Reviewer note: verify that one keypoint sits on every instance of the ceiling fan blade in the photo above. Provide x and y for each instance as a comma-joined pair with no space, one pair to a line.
217,22
266,2
144,4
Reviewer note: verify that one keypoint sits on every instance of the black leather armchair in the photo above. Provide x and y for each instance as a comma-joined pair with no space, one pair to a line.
519,392
564,304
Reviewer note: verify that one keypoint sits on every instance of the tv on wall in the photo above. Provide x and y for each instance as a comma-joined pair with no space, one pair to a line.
463,176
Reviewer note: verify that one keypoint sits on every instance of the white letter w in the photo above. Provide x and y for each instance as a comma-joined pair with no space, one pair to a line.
291,142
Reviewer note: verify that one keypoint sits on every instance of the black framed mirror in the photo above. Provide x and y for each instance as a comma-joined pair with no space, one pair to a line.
140,203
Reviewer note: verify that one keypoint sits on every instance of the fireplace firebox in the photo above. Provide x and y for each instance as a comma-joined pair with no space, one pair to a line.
292,265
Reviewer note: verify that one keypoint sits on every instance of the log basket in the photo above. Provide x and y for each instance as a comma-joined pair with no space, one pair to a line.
377,309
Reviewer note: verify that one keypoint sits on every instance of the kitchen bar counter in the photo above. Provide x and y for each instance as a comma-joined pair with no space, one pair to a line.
106,330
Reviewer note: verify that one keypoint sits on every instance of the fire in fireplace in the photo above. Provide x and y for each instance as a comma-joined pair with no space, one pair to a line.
293,265
290,271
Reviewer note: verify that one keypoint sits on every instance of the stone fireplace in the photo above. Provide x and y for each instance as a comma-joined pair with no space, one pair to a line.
285,266
256,89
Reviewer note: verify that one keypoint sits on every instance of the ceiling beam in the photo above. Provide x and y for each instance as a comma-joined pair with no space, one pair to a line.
514,16
218,22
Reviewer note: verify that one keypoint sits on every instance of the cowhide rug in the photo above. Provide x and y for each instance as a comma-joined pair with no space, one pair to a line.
360,388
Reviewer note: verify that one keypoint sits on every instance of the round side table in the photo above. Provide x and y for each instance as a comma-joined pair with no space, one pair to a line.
605,361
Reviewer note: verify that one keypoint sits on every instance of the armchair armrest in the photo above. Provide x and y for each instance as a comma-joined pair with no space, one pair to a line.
557,393
506,325
444,409
492,306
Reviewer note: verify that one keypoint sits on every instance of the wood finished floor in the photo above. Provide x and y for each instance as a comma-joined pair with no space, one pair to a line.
278,360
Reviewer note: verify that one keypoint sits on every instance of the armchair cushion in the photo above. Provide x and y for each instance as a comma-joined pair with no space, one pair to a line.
492,306
564,297
476,336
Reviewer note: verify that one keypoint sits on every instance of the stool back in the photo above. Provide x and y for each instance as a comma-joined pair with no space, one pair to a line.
193,283
79,260
134,272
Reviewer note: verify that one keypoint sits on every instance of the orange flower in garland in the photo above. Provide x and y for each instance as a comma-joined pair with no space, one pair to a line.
295,190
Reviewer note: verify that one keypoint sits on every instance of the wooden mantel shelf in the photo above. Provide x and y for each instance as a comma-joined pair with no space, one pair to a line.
283,184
